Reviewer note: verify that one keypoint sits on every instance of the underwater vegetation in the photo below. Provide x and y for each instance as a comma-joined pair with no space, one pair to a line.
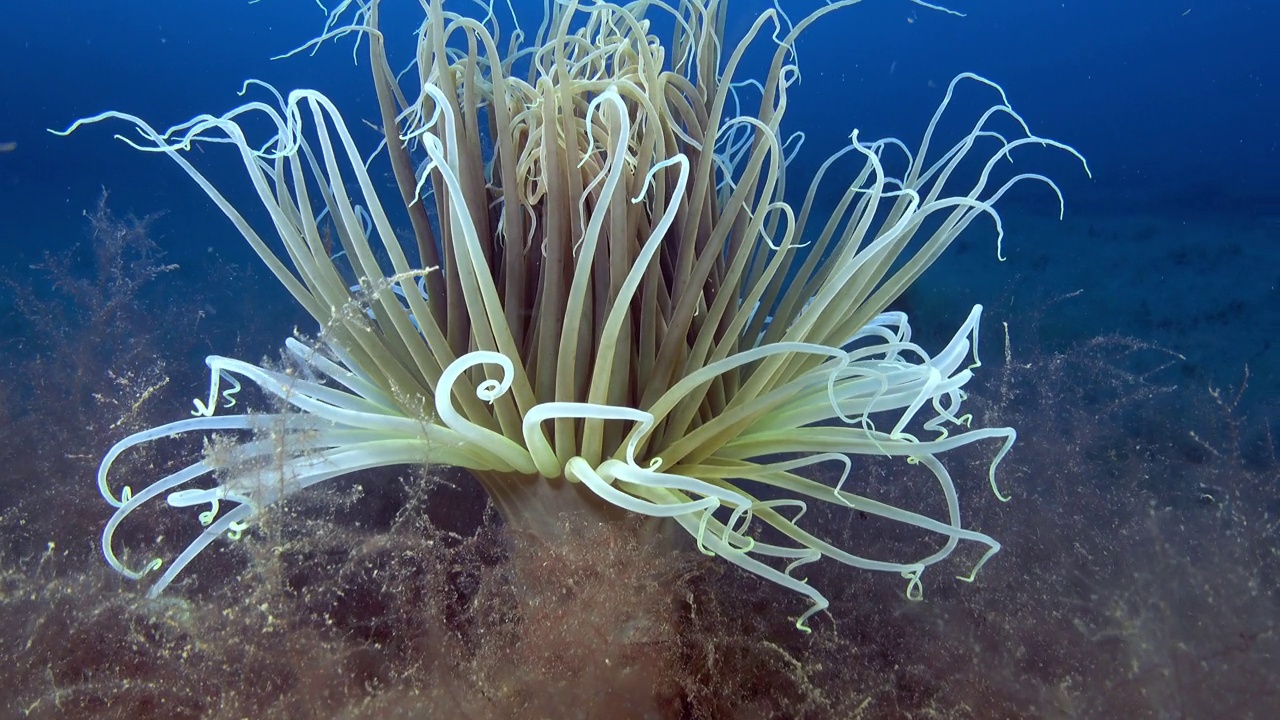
1145,587
606,366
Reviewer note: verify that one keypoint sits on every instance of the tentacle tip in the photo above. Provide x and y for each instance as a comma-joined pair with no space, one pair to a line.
802,622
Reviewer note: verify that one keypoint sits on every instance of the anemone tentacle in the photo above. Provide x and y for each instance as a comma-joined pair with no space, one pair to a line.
605,285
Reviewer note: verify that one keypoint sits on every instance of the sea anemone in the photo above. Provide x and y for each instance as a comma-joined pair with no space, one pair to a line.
608,303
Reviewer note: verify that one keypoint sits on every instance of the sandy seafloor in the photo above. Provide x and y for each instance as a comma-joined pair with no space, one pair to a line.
1204,284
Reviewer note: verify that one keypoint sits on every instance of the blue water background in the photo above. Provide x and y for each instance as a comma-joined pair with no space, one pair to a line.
1173,103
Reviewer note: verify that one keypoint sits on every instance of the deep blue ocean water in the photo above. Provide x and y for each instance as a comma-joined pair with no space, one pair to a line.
1173,103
